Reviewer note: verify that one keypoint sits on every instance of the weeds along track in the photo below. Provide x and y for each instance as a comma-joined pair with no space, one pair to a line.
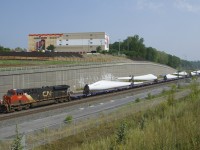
98,98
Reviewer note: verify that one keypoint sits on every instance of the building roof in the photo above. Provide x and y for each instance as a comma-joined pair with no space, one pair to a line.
55,34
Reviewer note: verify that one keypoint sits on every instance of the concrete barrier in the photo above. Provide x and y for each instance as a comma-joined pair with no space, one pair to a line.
75,75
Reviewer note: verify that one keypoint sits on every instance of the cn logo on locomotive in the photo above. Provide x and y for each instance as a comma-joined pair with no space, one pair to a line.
46,93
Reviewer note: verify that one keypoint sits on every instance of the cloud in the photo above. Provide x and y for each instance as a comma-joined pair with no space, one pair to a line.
187,5
149,4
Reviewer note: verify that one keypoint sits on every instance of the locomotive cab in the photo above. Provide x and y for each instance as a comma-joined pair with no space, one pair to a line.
14,99
5,104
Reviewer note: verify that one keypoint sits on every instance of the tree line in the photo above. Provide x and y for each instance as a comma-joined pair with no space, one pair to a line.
4,49
17,49
134,48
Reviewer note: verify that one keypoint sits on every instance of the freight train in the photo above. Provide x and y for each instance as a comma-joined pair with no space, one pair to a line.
18,99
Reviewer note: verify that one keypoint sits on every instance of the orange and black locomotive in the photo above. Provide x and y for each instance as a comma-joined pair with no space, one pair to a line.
18,99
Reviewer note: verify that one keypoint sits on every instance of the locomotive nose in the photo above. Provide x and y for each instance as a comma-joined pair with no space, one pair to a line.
4,97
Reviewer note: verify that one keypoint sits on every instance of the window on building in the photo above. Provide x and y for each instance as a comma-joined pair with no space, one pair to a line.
36,37
53,37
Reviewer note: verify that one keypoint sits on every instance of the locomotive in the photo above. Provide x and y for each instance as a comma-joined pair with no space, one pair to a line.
18,99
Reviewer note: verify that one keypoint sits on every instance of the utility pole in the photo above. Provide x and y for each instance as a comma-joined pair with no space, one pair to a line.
119,48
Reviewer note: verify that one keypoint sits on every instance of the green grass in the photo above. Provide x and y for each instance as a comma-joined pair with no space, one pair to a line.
68,119
164,127
33,62
61,61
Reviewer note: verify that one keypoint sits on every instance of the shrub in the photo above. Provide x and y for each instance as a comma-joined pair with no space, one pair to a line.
171,97
68,119
161,109
17,144
163,91
194,86
121,133
149,96
137,100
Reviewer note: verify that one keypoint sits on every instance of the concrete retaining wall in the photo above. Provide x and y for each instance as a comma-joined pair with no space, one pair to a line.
75,76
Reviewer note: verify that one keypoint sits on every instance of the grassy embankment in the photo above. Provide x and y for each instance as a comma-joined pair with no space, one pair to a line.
61,61
6,63
170,124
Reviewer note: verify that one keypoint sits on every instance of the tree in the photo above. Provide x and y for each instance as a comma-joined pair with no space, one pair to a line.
18,49
98,49
173,61
162,57
151,54
134,46
3,49
51,47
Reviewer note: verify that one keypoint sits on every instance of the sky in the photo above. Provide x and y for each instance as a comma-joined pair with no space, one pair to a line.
172,26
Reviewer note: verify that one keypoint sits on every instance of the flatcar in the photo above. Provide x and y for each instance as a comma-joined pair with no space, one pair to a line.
18,99
104,86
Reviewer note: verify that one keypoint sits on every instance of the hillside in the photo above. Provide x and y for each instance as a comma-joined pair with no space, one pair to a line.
19,61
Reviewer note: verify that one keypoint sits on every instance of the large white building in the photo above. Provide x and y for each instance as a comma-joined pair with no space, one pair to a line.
69,42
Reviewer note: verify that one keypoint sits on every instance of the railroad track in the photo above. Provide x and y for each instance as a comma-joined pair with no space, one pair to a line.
36,110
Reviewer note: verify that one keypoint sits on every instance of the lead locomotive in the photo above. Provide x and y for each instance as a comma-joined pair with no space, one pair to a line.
18,99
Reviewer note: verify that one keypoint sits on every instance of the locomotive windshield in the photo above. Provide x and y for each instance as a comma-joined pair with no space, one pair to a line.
10,93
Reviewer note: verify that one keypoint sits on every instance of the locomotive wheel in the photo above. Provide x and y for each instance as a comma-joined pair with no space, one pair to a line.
56,101
19,108
66,100
4,110
27,106
61,100
12,110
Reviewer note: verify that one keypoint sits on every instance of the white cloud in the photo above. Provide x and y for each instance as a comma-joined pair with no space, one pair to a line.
187,5
149,4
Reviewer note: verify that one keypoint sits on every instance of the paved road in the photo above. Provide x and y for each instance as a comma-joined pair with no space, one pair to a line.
77,113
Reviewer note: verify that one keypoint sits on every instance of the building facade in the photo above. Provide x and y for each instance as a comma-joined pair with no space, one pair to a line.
69,42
